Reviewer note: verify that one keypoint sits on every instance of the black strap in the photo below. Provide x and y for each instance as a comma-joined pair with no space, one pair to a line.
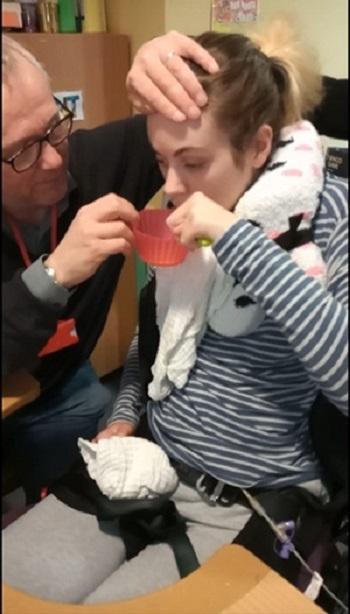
161,524
77,490
290,504
185,556
141,521
213,491
148,338
330,439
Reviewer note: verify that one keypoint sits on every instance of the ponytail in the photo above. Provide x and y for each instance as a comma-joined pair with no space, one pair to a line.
294,67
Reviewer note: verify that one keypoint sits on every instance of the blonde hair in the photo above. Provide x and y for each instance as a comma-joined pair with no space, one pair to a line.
267,77
280,43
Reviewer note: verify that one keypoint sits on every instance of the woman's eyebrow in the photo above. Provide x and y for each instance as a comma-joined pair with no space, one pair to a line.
191,149
182,150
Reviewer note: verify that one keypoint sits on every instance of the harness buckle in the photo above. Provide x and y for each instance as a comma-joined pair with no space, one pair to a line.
202,489
217,492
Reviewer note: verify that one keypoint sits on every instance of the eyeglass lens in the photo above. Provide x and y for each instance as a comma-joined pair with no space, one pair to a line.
30,154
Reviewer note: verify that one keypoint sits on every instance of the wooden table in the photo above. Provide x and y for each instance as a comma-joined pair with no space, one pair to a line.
233,581
18,389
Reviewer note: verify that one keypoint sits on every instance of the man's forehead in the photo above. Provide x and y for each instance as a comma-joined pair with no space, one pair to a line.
26,110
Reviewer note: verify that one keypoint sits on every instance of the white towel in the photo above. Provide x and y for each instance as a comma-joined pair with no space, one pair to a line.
128,467
182,295
198,293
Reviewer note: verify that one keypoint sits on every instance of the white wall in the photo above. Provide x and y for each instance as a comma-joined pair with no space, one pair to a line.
323,23
187,16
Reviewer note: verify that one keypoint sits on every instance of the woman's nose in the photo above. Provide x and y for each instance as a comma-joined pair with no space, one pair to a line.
173,183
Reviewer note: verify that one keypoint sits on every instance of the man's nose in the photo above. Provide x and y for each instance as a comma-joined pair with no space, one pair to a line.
51,158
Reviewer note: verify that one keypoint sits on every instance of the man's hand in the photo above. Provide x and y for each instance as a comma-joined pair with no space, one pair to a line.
98,231
116,429
160,81
199,217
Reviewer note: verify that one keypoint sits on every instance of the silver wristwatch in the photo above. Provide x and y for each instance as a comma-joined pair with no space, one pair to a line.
50,271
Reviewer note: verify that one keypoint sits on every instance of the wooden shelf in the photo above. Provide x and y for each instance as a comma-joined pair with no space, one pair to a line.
112,347
95,63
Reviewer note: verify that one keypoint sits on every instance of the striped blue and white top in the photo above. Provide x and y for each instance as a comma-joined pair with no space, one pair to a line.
243,414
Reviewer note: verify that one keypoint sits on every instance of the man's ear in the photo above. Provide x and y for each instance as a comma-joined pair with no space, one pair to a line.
261,146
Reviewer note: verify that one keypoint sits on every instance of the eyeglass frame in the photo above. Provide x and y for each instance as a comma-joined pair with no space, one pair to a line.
69,114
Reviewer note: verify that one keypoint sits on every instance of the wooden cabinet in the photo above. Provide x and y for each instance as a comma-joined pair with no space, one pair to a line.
96,64
112,347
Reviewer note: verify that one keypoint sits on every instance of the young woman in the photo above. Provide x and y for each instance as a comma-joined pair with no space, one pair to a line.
230,395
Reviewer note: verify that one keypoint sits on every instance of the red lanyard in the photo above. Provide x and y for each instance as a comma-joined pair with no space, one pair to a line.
18,237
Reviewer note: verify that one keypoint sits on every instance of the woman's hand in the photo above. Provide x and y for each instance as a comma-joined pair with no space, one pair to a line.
199,217
160,81
116,429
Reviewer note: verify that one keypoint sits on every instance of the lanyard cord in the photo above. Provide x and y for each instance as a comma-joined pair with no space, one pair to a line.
281,535
19,240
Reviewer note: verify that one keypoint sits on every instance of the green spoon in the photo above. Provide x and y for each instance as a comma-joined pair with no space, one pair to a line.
204,242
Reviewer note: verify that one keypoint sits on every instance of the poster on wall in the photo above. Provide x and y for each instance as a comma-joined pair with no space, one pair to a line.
226,13
73,100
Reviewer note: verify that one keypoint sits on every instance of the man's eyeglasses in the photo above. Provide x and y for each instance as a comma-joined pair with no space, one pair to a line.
27,156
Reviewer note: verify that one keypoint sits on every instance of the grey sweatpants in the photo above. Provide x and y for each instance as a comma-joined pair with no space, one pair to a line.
58,553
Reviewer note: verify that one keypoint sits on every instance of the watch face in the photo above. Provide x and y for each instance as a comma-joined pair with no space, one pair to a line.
51,272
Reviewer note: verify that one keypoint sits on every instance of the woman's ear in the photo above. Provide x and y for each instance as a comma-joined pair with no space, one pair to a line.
261,146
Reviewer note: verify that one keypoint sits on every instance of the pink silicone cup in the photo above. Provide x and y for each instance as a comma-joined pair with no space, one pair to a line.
154,242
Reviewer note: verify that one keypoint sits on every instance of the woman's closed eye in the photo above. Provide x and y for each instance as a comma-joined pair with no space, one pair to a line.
194,165
187,165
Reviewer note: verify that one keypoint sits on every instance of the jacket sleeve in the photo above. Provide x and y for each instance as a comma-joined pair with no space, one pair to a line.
115,157
313,319
28,322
